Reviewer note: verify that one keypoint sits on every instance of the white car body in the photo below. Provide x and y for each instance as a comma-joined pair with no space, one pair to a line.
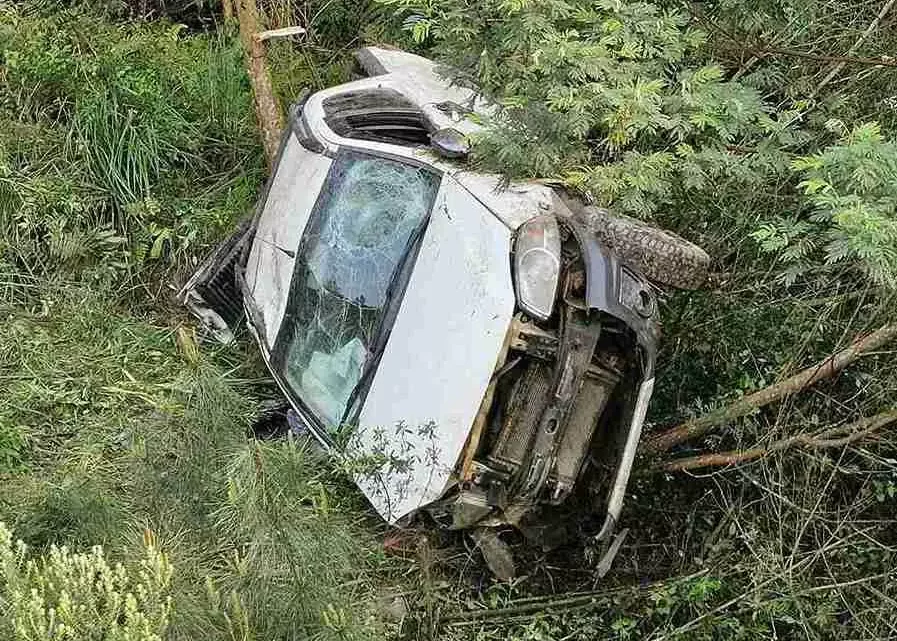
449,323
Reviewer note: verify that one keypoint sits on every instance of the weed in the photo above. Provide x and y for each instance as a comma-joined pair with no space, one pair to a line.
69,596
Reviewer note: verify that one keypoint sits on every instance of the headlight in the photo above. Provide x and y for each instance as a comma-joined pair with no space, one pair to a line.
537,265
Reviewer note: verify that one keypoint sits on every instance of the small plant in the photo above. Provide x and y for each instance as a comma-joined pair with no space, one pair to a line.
12,447
76,596
851,191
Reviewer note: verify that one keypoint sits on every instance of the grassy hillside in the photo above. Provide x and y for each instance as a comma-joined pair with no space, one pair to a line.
128,147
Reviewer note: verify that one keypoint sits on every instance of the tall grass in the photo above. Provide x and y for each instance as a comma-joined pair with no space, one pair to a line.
111,132
126,149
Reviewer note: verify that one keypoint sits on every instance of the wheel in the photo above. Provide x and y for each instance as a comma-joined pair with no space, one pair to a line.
660,255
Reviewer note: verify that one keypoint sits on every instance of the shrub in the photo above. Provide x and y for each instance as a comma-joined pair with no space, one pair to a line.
850,191
615,98
75,596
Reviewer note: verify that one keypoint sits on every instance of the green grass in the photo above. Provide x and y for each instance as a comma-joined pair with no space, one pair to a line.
127,148
125,436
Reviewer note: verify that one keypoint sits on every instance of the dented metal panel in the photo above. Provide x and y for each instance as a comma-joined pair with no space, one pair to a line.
440,356
514,203
292,195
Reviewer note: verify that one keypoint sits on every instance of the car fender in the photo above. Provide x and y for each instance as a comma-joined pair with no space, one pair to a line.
608,288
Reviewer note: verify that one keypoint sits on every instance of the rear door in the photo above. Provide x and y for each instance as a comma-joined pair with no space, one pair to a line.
440,355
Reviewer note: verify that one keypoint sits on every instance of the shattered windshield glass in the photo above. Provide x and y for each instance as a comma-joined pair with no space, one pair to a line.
363,224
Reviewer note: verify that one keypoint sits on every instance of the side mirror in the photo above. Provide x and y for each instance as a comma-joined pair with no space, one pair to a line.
450,143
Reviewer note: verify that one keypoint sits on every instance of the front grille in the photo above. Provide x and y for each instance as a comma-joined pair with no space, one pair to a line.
218,287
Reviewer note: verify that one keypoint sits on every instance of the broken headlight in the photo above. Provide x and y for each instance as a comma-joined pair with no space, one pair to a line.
537,265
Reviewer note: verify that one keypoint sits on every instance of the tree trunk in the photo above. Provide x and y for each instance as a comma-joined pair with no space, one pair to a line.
266,106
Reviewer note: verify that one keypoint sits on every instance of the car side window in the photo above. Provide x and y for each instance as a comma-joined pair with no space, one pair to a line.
365,221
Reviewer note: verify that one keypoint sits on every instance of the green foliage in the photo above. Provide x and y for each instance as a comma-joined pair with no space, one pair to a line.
75,596
125,149
105,432
114,134
851,189
284,505
615,98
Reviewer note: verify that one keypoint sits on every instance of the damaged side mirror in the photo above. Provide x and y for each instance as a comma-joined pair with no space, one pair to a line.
450,143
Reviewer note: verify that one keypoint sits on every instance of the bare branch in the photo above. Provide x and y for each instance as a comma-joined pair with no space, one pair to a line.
835,437
886,61
886,8
285,32
750,403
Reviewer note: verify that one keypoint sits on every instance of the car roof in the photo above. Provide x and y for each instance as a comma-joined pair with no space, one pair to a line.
417,79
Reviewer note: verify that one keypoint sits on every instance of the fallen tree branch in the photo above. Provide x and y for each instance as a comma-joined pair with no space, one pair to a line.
885,9
834,437
750,403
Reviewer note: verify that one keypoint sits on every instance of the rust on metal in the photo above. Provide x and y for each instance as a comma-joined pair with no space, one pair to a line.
473,440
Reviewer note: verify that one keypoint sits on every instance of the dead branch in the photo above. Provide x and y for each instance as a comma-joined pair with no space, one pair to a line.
554,603
834,437
267,108
284,32
885,9
885,61
750,403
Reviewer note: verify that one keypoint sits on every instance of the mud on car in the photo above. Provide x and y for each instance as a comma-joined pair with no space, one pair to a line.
492,345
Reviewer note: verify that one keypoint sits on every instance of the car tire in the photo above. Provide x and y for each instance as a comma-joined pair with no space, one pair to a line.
660,255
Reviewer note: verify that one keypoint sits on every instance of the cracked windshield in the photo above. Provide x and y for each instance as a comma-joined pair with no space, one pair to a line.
356,240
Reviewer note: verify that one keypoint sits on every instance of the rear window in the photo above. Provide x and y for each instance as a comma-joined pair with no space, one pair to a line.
347,274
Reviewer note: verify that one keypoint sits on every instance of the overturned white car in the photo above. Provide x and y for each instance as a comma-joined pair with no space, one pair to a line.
492,347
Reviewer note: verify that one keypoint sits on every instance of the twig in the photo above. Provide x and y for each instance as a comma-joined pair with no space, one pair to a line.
835,437
580,600
885,9
886,61
553,603
750,403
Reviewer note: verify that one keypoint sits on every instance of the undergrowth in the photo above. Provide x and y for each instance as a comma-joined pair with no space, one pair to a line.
128,146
